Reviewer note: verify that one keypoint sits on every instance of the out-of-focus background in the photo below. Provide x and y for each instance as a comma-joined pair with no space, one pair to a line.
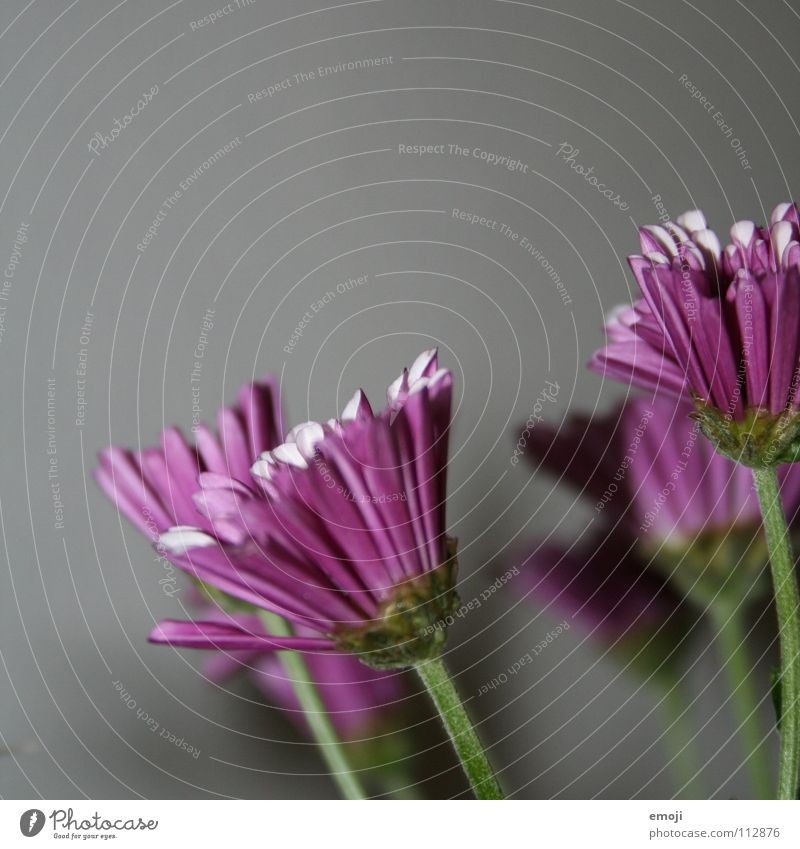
267,153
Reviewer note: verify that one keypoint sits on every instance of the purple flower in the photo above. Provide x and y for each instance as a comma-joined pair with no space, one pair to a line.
673,518
340,529
721,324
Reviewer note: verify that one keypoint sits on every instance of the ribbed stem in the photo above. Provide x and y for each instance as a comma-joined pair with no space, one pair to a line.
731,639
325,736
462,734
787,604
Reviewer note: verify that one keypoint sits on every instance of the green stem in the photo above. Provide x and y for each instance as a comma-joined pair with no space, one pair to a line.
319,722
787,604
467,745
732,641
684,762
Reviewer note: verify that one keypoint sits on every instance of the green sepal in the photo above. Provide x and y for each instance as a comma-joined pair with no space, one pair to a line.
412,627
760,440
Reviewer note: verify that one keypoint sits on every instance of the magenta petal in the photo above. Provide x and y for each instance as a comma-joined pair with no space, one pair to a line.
260,406
754,335
210,450
633,363
711,340
240,572
357,491
324,527
216,635
783,292
182,469
668,305
235,442
430,467
131,504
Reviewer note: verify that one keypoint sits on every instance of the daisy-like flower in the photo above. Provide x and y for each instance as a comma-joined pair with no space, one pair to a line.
720,324
340,529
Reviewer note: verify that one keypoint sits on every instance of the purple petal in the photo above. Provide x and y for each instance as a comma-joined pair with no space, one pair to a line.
216,635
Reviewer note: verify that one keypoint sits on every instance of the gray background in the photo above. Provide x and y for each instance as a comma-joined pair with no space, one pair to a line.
317,192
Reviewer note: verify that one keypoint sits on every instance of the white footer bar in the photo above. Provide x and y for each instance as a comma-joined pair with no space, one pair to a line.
400,825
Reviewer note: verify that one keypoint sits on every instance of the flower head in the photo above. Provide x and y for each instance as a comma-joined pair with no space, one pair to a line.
676,518
719,324
340,529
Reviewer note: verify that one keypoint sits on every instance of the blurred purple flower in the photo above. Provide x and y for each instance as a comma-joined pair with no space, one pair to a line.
659,491
721,324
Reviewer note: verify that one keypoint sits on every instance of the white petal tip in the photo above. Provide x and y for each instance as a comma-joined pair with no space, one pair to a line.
780,236
290,454
424,365
262,468
616,314
661,236
397,387
708,241
743,232
779,213
431,381
308,437
692,220
357,407
181,538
